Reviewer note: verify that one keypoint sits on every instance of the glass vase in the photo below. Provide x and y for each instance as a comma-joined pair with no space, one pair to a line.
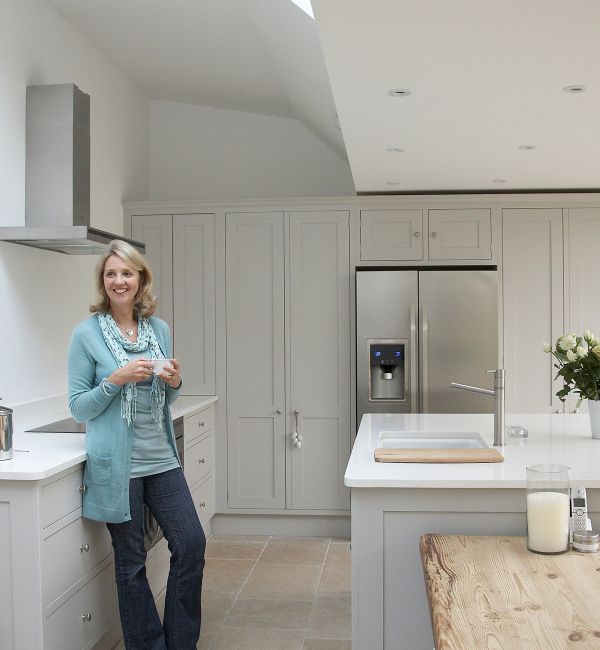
594,411
548,508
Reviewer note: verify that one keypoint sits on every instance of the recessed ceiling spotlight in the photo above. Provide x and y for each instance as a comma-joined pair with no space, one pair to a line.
394,150
399,92
577,88
394,183
499,180
526,147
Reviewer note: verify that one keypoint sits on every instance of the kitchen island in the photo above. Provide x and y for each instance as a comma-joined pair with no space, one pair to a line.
393,504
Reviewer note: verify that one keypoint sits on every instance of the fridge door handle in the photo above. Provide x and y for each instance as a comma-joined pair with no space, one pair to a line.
413,360
424,362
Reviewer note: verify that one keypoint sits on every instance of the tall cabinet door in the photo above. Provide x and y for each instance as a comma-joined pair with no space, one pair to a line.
194,300
532,270
156,231
583,236
255,360
319,353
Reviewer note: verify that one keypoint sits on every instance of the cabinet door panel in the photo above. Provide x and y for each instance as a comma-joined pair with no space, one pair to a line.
391,235
194,301
156,230
460,234
319,334
255,360
584,306
532,272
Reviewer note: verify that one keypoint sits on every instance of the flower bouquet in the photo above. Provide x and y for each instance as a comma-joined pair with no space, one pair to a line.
578,363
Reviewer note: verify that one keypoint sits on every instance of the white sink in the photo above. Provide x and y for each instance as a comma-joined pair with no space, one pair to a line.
431,440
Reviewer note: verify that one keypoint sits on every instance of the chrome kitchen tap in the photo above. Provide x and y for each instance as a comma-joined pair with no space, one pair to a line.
498,394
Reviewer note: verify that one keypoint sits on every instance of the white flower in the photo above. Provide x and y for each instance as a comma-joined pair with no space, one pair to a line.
567,342
588,336
581,351
547,347
596,350
571,356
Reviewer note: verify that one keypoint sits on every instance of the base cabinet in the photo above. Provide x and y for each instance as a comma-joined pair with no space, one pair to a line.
57,588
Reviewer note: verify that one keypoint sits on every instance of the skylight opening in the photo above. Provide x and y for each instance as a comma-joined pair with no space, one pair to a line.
305,6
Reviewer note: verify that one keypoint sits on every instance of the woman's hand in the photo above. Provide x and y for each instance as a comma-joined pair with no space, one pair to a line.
131,372
172,376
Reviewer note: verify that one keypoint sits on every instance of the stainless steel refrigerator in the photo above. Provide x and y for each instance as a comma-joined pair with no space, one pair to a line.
419,330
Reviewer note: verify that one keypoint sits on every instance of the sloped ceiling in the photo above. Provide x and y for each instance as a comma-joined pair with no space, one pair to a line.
260,56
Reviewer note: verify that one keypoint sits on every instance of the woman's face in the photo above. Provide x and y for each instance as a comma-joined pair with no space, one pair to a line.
121,283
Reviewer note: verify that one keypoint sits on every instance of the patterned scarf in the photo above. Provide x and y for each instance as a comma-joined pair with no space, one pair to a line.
118,345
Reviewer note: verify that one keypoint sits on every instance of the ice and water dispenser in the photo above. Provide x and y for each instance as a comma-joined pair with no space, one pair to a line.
387,369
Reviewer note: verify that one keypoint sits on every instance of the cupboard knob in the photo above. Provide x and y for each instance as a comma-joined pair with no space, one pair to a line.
557,411
278,411
434,234
84,548
203,504
86,617
417,233
575,411
201,460
82,488
201,424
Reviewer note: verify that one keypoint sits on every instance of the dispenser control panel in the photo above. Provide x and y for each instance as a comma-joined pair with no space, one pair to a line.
387,354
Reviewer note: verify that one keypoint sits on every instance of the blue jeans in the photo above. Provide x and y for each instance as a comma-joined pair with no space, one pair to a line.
169,500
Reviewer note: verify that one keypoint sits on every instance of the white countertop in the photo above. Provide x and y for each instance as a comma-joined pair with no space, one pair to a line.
40,455
562,439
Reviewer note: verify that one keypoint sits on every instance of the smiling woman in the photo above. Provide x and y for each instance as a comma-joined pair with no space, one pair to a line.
132,458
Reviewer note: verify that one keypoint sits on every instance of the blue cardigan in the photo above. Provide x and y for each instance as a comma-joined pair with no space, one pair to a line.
108,438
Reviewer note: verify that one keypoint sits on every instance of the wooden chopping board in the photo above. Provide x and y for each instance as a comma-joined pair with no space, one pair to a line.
383,455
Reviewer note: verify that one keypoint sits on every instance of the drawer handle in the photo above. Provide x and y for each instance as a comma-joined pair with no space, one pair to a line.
201,424
82,488
86,617
84,548
201,461
203,504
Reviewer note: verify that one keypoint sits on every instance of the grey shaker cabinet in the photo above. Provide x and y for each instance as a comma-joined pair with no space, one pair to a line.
319,353
288,359
180,250
255,360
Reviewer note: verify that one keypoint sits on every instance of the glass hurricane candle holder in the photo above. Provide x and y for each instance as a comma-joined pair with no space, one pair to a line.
548,508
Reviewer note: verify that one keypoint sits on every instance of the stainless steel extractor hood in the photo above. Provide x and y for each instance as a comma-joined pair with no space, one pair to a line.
57,175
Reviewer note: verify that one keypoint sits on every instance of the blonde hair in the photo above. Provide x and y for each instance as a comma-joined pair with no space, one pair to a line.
145,303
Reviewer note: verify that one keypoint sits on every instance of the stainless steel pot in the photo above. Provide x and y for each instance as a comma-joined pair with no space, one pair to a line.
6,433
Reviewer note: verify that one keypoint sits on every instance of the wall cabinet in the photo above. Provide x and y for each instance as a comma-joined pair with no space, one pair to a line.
532,267
180,250
429,235
288,359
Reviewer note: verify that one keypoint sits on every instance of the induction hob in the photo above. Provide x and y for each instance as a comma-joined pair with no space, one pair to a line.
68,425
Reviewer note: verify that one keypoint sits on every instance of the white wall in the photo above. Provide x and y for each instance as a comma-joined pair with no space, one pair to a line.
199,152
43,294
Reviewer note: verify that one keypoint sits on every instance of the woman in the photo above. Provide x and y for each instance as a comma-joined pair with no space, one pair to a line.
131,453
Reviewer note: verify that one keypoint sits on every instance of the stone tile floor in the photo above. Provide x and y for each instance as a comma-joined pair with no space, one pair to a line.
276,593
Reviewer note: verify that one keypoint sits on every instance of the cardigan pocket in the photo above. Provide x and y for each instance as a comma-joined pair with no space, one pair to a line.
99,469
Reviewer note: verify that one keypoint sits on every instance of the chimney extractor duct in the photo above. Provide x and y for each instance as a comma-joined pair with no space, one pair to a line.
57,175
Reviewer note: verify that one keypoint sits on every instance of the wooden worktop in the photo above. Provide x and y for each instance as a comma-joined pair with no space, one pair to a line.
492,593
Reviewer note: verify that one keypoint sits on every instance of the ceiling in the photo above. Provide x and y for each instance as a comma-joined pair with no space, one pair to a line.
260,56
485,78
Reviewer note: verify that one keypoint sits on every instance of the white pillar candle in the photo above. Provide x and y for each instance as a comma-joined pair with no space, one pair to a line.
547,522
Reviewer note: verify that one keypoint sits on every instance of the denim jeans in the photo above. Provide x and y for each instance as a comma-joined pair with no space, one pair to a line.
169,500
